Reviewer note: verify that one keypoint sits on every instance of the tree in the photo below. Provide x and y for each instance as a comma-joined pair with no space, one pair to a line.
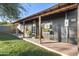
10,10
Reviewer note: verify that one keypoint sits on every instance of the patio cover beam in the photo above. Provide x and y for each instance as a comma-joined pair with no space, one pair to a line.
58,10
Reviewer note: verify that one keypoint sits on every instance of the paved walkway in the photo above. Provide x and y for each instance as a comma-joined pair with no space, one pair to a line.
64,48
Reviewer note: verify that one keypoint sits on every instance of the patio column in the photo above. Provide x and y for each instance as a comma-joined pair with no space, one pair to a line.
16,29
40,28
23,29
66,27
78,25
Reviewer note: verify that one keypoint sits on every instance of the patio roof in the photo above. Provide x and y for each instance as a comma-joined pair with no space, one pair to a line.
62,7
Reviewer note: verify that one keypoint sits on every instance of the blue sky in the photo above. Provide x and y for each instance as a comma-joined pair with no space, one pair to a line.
33,8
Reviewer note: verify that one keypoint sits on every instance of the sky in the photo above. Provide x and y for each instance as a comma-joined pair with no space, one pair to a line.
33,8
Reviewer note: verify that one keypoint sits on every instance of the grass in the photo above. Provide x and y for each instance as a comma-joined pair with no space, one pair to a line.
13,46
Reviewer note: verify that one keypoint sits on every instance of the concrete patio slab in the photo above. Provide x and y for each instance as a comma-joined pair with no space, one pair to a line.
64,49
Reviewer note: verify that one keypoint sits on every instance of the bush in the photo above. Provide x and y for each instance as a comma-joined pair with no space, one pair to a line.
2,23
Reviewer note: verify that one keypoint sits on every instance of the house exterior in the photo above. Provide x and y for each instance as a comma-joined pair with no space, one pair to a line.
59,23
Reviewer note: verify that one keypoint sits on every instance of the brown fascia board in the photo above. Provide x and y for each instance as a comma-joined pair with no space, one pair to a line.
35,14
57,6
61,9
52,9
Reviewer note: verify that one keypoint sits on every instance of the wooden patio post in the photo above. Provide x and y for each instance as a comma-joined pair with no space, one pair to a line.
66,27
40,28
23,29
78,25
16,29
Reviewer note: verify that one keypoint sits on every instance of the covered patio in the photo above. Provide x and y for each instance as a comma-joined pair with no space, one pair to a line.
61,40
52,25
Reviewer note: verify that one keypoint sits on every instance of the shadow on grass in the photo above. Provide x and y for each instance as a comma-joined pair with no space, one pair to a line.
7,36
21,48
32,53
38,53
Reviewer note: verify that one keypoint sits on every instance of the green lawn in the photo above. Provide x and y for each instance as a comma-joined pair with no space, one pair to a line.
13,46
